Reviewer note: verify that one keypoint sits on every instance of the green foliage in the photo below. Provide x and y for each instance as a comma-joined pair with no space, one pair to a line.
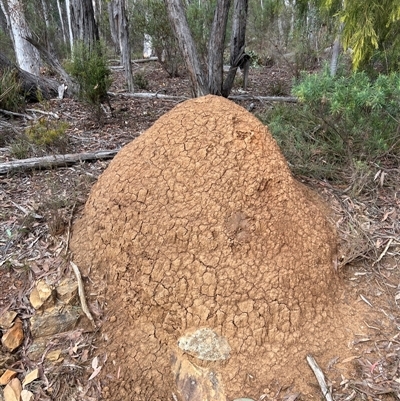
20,148
200,17
89,67
140,81
40,137
150,17
10,91
340,124
47,133
369,28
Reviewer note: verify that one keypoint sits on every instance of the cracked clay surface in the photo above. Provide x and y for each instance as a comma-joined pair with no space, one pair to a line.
198,224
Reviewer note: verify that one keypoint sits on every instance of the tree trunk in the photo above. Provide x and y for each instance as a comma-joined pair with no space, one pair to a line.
180,25
61,17
27,56
117,7
33,86
113,25
147,46
84,27
238,41
70,32
216,46
335,53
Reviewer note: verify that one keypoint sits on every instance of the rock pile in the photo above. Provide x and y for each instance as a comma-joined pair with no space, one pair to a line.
201,243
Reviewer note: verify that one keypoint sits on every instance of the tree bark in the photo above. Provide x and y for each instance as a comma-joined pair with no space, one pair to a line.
216,46
61,17
238,41
84,26
120,22
27,56
180,25
336,52
33,86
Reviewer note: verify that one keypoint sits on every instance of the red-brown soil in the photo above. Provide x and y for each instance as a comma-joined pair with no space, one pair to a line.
199,224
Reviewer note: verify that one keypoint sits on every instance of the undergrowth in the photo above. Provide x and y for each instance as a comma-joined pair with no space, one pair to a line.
40,137
340,127
10,91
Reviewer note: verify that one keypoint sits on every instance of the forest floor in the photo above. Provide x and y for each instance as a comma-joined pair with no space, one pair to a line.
38,207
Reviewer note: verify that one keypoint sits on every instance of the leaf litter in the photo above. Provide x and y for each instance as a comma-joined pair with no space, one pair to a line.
39,207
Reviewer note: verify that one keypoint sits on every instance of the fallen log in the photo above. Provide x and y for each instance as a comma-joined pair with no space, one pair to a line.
32,87
150,95
284,99
55,161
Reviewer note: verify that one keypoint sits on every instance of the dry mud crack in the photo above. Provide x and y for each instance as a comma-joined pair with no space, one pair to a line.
199,225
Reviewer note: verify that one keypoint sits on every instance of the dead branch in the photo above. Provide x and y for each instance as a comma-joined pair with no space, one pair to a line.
55,160
46,113
138,61
149,95
285,99
81,292
320,377
12,113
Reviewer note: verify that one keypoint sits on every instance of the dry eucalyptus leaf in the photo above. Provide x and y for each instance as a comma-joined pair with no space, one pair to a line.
95,373
26,395
12,392
30,377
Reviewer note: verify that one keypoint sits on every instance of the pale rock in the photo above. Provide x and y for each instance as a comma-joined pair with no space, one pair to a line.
67,290
194,383
37,348
205,344
7,376
13,337
54,356
7,318
56,320
12,392
42,295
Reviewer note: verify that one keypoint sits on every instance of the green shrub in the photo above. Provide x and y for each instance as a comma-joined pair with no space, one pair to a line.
89,67
340,125
10,91
364,113
140,81
47,133
20,148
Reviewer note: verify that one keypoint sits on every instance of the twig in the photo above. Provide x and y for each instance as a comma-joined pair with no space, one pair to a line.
365,300
81,292
47,113
320,377
384,252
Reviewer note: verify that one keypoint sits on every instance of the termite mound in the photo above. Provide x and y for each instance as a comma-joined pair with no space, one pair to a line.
198,227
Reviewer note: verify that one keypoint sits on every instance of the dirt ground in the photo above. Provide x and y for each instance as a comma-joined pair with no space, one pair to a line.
38,207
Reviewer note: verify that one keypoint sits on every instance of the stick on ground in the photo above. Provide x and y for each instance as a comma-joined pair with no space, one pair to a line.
320,377
81,292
